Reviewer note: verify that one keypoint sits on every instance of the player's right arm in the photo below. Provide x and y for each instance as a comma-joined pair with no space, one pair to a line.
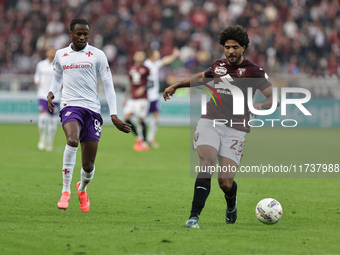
54,88
56,83
37,75
127,93
193,81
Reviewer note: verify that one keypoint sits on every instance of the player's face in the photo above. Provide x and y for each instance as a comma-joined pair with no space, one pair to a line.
156,55
79,36
139,57
234,52
50,53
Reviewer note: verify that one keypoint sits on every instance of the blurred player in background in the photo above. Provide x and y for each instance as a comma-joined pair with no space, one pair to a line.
154,63
136,100
77,67
224,141
47,121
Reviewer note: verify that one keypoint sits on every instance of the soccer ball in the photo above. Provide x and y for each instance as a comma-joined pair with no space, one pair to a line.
268,211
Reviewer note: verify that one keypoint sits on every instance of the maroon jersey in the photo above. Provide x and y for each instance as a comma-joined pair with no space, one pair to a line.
138,76
226,78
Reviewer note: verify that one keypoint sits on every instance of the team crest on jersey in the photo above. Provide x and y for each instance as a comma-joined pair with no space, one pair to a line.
241,71
68,113
89,53
220,70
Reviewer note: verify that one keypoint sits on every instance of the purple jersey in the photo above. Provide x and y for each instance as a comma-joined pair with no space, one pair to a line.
243,76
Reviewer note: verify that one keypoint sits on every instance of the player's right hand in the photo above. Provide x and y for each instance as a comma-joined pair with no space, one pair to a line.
169,92
51,105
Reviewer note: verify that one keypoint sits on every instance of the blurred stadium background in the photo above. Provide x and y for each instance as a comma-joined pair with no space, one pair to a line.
296,41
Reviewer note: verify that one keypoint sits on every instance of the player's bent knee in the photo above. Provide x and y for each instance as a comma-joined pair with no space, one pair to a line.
73,142
207,161
225,184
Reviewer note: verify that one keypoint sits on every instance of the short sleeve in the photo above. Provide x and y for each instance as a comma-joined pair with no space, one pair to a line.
263,82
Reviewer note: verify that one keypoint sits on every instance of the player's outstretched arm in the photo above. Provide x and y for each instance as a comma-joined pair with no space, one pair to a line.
170,58
120,125
193,81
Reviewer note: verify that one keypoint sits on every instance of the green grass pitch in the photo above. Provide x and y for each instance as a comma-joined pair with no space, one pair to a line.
140,201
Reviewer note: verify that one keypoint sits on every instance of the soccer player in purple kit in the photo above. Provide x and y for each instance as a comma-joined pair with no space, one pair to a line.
77,67
224,142
154,62
47,121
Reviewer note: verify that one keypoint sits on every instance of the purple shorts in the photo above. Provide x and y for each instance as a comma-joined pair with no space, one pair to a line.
89,121
154,106
43,107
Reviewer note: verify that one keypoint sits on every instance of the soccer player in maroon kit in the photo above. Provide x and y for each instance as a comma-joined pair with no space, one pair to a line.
138,104
224,140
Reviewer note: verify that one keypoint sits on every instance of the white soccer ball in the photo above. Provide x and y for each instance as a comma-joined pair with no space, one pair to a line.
268,211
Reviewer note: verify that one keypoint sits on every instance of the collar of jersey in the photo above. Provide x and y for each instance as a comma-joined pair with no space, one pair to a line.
85,48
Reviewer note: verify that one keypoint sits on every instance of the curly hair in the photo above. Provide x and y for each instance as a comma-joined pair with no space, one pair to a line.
237,33
78,21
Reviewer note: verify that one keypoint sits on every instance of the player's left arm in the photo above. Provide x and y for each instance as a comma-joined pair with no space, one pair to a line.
112,103
106,76
266,103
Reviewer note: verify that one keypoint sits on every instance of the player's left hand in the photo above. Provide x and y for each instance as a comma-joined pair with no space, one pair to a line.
120,125
257,106
51,105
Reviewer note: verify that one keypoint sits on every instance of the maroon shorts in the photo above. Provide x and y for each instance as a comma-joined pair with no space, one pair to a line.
89,121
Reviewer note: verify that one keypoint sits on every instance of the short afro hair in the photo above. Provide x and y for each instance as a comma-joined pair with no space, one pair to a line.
237,33
78,21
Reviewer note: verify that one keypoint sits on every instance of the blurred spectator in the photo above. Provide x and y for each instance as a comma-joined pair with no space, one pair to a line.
293,68
307,30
